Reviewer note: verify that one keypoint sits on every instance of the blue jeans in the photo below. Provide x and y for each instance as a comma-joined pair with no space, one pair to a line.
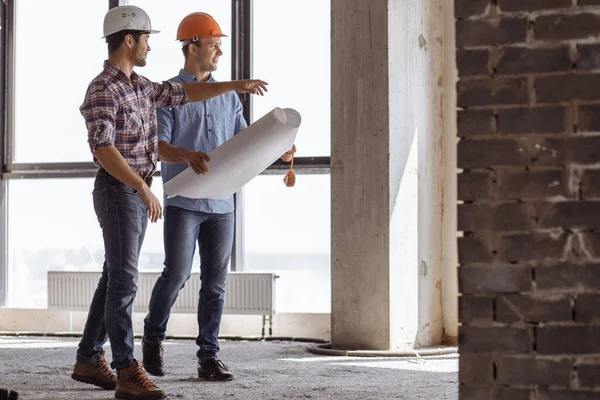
123,219
214,234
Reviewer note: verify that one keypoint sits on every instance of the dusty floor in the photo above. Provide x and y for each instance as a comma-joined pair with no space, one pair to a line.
40,368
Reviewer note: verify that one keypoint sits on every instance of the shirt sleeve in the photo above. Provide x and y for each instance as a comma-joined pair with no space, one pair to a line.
240,121
99,109
166,119
168,94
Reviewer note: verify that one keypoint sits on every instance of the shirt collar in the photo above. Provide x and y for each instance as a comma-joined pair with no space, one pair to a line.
120,75
186,77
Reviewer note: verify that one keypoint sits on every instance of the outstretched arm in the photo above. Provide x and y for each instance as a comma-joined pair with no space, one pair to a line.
203,91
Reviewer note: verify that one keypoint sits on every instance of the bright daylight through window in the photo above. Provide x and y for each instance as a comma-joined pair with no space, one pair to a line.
286,230
49,88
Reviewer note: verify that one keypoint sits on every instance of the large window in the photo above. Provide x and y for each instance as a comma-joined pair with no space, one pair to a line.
288,232
49,85
291,51
49,89
51,221
52,226
61,233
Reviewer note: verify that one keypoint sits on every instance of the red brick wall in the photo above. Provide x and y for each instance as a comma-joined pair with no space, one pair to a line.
529,124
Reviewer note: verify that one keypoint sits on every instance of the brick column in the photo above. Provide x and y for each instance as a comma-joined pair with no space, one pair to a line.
529,150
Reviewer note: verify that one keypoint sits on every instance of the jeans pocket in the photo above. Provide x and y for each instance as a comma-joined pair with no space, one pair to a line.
100,197
123,188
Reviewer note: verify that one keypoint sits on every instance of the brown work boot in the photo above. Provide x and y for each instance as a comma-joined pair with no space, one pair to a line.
133,384
97,373
153,358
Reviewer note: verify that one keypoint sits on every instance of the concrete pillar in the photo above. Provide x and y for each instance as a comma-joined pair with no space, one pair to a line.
387,173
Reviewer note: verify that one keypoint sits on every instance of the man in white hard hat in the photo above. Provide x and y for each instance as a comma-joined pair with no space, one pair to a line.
120,114
186,134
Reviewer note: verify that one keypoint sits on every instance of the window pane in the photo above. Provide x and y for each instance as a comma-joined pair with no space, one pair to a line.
296,63
287,231
166,59
61,233
48,90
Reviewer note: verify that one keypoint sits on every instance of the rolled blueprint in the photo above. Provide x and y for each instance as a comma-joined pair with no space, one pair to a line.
240,159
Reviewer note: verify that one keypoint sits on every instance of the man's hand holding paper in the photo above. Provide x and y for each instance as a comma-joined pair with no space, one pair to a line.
240,159
195,160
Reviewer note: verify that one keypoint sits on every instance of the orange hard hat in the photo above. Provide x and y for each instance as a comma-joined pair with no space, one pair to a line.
198,25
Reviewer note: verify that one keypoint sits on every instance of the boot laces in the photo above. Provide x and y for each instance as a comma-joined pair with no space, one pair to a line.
104,367
139,377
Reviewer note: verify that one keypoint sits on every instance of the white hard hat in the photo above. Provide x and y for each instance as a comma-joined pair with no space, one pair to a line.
126,18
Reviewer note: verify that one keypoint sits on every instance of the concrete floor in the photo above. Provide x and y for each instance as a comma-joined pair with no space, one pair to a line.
40,368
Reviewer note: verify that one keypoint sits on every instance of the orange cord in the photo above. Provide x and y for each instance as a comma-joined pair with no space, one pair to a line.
290,179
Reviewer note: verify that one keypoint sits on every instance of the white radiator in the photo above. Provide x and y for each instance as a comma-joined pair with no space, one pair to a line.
247,293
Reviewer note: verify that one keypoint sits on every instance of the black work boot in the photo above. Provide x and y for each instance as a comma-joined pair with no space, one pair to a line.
6,394
152,354
213,369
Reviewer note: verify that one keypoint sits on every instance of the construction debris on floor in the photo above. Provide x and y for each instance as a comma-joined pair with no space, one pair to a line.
41,367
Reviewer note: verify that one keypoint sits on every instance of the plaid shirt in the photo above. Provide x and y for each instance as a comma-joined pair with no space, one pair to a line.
121,112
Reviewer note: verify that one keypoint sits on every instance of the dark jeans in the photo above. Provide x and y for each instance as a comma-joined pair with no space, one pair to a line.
123,219
214,234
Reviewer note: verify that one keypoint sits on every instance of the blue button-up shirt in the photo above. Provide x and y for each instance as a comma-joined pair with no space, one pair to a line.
199,126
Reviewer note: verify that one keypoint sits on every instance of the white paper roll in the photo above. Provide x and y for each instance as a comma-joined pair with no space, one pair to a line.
240,159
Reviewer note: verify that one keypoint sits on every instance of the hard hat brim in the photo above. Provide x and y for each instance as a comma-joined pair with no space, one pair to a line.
151,31
190,40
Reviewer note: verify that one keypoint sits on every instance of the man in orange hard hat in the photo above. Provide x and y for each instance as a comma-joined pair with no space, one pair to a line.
186,134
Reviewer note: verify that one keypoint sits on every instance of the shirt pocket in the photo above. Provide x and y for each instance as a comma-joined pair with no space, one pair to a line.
132,119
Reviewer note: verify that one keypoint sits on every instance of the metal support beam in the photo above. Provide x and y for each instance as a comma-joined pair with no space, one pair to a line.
241,68
302,166
8,57
3,185
241,43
